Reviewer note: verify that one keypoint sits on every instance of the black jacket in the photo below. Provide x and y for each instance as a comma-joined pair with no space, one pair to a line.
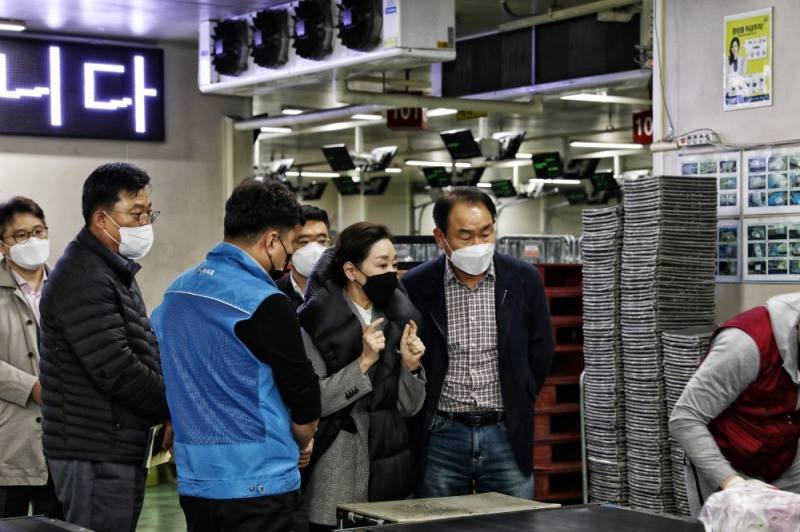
285,285
102,386
524,344
337,334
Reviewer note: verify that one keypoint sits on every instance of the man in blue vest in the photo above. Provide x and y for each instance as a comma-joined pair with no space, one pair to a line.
243,396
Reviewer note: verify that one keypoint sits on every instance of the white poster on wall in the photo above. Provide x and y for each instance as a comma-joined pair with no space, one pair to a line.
772,181
747,73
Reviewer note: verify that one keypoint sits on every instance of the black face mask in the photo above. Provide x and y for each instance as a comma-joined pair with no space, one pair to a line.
276,273
379,288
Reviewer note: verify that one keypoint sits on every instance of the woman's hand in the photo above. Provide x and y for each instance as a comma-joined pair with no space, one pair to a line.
373,342
411,347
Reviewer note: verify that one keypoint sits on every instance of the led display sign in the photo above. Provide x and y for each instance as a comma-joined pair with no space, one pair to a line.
64,88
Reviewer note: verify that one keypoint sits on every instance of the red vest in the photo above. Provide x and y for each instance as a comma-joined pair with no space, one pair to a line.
759,431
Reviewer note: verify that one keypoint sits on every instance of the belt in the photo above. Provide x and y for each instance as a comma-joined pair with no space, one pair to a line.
474,419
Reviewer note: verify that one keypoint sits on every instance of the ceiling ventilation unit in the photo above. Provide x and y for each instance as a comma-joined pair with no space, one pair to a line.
373,36
270,38
229,52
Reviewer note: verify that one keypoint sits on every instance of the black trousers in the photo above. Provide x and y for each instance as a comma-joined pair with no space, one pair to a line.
271,513
14,501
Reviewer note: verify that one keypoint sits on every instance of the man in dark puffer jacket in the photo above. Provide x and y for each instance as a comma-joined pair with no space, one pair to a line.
102,386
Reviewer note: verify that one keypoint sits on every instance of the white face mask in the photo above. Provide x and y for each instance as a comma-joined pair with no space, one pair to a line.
136,241
32,254
303,259
473,260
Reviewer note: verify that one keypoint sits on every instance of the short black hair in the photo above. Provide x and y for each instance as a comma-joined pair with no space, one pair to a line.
468,195
316,214
354,244
101,189
18,205
257,206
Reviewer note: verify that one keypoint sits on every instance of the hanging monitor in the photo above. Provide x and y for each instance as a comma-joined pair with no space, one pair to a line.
581,168
547,165
437,176
376,186
346,186
470,176
461,144
279,168
503,188
510,142
381,159
576,196
338,157
605,182
313,191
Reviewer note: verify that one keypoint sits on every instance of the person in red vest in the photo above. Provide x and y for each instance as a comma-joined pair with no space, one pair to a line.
737,419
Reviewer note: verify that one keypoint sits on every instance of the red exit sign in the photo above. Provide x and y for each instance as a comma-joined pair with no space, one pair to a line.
643,127
407,119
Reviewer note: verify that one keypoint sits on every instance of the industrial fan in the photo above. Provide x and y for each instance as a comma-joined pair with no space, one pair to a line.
313,29
229,54
360,23
270,42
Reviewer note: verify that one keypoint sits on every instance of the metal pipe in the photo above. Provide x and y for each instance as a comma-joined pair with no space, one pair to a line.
565,13
310,117
345,95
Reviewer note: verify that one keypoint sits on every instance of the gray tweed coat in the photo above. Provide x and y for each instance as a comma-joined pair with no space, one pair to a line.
342,473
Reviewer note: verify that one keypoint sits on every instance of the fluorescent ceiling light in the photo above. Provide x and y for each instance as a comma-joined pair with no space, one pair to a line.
292,111
606,98
393,170
312,174
276,129
556,181
484,185
607,145
367,117
7,24
412,162
524,156
440,111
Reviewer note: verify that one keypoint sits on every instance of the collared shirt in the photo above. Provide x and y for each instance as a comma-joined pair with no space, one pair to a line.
472,382
31,297
296,286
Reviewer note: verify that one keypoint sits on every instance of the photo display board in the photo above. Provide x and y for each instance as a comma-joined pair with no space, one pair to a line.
772,181
725,167
772,247
729,252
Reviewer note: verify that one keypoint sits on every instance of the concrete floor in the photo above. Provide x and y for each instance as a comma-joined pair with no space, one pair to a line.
161,511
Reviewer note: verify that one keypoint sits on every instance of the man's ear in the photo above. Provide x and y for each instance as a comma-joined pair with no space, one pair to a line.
98,219
439,237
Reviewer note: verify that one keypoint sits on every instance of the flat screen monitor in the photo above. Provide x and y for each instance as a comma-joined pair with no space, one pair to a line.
581,168
437,176
280,167
461,144
338,157
470,176
313,191
547,165
381,159
376,186
510,142
503,188
605,182
576,196
346,186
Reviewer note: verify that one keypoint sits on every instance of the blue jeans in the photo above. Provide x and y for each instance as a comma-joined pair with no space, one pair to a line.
459,456
101,496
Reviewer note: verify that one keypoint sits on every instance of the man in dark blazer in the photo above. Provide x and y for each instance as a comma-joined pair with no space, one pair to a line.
313,240
486,326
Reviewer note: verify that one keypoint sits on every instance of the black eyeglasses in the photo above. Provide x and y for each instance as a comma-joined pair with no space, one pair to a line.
143,218
20,237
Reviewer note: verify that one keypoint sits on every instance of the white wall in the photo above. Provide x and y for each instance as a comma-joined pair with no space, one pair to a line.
187,170
694,47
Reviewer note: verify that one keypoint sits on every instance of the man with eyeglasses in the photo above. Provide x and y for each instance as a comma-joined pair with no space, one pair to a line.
309,244
102,386
24,478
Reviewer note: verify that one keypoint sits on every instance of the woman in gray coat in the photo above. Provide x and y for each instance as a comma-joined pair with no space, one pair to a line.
360,333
